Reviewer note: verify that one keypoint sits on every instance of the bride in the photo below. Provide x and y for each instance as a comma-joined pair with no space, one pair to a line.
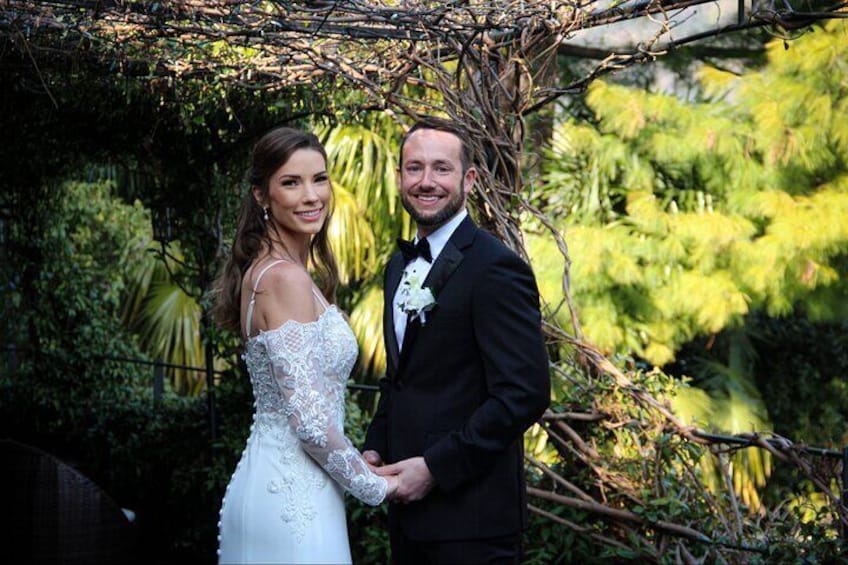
284,503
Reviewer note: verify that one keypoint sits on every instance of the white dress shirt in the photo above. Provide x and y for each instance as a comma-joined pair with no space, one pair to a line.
437,240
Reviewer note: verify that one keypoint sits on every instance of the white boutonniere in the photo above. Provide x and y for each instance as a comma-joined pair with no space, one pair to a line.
415,299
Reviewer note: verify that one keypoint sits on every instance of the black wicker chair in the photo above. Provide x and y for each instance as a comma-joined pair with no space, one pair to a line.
56,514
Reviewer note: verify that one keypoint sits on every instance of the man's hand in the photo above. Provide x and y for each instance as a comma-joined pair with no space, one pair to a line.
391,487
373,459
414,479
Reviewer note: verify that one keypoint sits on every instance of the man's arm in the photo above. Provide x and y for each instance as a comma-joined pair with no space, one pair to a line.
507,325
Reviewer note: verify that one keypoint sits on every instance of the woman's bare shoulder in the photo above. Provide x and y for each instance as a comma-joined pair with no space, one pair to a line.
283,293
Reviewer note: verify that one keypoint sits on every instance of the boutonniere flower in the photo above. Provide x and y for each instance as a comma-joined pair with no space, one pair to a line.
415,298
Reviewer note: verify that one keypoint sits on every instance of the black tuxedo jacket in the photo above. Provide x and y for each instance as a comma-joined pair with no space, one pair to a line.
465,387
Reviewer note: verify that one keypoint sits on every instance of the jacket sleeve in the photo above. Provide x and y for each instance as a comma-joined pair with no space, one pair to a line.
311,407
508,332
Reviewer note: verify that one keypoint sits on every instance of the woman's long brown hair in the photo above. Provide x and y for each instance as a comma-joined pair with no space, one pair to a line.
269,154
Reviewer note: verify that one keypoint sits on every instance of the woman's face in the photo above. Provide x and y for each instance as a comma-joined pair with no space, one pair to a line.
299,193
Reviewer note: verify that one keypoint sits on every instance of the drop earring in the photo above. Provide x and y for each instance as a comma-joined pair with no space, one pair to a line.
265,215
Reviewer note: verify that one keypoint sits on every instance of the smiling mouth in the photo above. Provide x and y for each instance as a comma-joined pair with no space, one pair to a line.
310,214
428,198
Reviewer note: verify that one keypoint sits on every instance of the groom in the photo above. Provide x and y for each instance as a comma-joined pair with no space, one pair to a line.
467,370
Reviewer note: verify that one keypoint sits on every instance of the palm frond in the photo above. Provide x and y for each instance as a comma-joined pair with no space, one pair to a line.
170,330
367,323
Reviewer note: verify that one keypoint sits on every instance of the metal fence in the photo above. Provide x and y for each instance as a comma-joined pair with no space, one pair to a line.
758,441
158,368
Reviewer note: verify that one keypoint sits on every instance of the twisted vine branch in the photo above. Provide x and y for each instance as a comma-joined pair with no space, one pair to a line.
490,67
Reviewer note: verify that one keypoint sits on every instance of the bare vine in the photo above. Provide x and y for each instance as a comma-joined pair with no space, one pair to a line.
491,67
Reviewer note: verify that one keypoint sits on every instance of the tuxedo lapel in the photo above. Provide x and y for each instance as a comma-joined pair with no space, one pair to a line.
450,257
393,276
447,262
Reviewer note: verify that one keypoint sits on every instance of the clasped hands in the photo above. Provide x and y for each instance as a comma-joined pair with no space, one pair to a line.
409,480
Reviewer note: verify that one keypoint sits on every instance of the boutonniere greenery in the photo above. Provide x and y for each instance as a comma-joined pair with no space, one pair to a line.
415,298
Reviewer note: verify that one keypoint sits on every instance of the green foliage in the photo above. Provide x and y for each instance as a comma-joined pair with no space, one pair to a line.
157,460
368,217
801,365
548,543
640,465
363,165
366,320
681,217
368,527
689,222
165,317
792,538
66,277
684,221
363,160
69,393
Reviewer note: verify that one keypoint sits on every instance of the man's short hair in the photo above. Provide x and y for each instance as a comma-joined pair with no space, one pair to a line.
442,124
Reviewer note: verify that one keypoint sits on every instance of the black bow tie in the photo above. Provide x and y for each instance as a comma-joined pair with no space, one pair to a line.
412,250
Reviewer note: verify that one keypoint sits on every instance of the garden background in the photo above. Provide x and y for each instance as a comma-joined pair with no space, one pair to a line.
684,205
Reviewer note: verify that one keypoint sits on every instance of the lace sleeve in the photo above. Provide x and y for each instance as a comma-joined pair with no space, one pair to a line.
295,352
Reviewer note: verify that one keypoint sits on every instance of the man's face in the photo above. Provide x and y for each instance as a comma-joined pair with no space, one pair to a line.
433,186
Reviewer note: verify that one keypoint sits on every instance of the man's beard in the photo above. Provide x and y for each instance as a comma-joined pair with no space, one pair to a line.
454,204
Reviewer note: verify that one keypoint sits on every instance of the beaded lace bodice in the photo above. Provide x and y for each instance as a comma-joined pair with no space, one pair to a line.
299,372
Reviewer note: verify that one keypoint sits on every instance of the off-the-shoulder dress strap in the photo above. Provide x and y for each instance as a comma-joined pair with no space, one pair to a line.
252,303
265,270
321,300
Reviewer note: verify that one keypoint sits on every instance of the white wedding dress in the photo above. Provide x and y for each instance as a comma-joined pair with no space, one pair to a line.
284,503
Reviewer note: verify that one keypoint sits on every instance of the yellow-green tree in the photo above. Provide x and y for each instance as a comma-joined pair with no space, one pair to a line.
683,217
